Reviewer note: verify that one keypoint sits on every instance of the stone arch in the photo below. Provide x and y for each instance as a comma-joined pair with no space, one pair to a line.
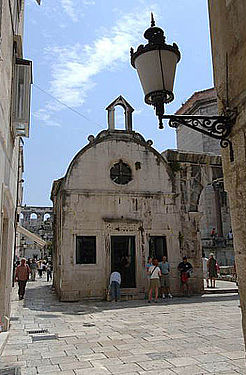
119,114
33,216
46,217
120,101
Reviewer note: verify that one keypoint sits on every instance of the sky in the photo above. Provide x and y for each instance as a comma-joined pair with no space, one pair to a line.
80,53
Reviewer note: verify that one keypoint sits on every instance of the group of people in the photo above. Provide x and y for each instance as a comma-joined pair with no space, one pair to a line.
41,266
158,274
25,269
158,279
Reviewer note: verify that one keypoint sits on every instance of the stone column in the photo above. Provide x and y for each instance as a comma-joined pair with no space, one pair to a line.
219,225
228,36
192,247
111,119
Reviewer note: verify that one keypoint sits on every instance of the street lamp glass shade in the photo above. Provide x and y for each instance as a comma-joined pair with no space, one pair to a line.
156,70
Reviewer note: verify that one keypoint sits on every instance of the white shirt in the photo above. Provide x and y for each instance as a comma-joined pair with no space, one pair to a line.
154,274
115,276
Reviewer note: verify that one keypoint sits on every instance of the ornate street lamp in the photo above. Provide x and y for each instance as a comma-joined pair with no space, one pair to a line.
156,63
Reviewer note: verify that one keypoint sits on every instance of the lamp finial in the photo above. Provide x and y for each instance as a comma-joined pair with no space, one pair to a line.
152,20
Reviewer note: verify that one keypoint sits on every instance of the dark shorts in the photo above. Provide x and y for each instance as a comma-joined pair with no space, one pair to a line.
165,282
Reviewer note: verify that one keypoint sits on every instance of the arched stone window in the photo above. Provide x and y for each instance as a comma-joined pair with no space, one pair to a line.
46,217
33,216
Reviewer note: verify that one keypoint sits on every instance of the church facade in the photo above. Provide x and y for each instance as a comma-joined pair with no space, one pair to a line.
121,201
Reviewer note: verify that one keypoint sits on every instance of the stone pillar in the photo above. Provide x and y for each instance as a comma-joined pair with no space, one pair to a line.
192,248
111,119
228,36
219,225
128,119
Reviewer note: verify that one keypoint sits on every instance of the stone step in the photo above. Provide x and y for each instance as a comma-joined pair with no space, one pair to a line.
220,291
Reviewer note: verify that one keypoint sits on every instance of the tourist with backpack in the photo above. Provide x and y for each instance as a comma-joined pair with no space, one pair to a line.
154,275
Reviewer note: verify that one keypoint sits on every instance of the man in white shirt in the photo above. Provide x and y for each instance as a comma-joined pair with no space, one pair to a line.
154,274
114,284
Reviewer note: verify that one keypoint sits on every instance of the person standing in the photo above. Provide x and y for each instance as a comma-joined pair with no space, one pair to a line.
147,266
49,271
43,265
154,274
22,275
114,285
33,268
185,269
165,282
230,235
212,269
205,268
40,270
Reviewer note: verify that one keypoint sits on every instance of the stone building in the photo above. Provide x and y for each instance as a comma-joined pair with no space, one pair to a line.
228,37
121,201
15,83
214,202
29,245
38,221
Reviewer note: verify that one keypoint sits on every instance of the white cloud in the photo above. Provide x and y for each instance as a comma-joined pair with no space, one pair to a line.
74,68
88,2
44,116
70,9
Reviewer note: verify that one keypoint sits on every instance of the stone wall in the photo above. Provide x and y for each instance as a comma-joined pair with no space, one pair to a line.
200,103
10,152
228,36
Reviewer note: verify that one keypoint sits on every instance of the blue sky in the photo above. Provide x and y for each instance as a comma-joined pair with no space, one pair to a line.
80,53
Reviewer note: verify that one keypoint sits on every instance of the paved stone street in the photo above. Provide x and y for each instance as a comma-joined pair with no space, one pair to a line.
198,335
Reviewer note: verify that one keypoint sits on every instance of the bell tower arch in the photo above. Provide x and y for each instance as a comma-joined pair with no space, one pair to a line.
127,112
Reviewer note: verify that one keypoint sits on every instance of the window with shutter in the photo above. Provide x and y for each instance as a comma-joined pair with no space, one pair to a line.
21,97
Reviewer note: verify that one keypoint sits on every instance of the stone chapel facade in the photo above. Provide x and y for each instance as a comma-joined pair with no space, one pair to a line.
121,201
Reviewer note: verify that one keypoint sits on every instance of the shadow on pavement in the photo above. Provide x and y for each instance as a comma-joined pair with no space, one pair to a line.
43,298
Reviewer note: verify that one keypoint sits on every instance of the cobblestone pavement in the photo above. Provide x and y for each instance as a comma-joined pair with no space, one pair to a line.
197,335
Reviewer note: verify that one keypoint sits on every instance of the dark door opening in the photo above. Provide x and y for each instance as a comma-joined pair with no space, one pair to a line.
157,247
123,255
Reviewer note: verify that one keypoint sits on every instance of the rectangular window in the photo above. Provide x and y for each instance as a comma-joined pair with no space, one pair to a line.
157,247
86,250
21,97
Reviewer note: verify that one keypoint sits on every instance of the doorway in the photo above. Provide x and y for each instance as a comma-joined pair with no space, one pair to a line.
157,247
123,254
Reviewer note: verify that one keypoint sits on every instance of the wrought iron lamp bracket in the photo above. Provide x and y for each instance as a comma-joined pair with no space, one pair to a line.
218,127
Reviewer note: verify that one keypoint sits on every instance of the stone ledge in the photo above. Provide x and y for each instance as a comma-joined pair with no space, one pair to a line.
3,340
